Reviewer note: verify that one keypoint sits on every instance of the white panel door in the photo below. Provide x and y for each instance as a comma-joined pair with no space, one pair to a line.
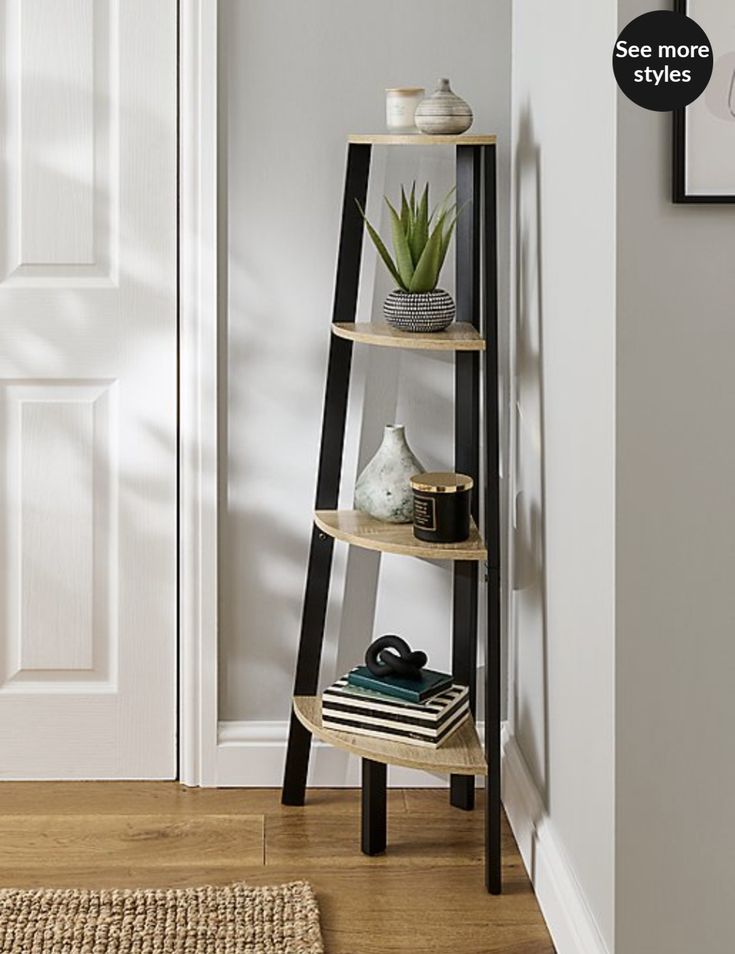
88,417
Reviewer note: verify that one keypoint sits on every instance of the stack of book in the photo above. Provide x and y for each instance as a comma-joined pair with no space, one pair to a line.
422,711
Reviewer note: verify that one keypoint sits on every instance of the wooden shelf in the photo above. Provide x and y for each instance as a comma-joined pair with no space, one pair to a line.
362,530
419,139
461,753
460,336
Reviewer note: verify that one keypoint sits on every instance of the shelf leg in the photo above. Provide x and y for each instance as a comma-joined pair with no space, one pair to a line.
464,663
308,663
330,468
493,808
374,806
297,763
467,433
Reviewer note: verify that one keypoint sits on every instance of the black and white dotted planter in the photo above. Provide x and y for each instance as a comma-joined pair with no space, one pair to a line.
419,311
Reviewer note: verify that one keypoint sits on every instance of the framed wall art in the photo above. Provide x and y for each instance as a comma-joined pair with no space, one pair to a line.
704,132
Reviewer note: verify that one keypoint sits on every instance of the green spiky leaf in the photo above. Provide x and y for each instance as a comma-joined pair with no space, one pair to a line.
446,239
449,232
382,251
420,233
442,207
405,212
426,275
401,248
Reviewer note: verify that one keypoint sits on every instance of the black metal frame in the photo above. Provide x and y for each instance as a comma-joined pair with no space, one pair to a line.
374,807
330,469
467,434
476,291
679,136
493,873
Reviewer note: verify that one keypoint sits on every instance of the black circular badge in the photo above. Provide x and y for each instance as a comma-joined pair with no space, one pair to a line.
662,60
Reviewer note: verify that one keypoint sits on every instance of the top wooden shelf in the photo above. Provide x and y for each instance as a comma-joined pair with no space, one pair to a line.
419,139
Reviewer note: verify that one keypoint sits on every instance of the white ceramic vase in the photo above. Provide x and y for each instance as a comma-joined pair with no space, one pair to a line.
383,489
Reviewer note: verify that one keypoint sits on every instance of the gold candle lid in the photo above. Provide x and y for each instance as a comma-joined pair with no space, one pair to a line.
441,483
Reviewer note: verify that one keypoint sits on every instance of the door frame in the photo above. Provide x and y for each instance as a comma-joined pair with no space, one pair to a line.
198,325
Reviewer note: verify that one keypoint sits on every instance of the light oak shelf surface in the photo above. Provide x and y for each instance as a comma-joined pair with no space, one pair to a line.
362,530
461,753
419,139
459,336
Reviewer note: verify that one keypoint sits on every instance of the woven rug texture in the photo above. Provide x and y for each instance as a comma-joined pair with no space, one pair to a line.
236,919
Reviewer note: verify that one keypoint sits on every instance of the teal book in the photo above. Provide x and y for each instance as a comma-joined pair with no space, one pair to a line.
414,690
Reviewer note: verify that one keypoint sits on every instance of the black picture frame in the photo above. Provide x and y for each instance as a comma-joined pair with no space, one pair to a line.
679,128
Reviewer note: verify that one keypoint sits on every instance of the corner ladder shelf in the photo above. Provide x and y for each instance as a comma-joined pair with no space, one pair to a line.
472,336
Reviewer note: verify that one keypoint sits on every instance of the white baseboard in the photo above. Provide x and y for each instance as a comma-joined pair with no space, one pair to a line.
562,902
251,754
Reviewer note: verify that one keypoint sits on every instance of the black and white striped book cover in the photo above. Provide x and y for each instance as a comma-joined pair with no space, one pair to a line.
364,712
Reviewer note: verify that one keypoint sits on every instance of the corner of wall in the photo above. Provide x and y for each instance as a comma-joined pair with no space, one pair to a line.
571,923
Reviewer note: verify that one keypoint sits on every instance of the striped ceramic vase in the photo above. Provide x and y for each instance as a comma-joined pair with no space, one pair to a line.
443,113
419,311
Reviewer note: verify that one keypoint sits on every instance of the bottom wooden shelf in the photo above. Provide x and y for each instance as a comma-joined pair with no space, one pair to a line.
461,753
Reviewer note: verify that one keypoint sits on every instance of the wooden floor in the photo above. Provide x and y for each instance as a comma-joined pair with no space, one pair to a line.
425,895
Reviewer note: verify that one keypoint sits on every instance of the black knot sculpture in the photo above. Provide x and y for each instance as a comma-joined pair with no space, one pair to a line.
382,662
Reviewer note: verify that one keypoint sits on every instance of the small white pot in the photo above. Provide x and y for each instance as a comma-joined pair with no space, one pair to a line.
400,108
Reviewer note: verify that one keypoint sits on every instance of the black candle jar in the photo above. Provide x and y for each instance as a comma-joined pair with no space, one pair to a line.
441,507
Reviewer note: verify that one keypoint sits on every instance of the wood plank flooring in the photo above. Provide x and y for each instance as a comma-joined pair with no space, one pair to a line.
424,895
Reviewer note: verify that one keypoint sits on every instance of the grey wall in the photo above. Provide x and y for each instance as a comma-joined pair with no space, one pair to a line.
675,554
563,454
299,77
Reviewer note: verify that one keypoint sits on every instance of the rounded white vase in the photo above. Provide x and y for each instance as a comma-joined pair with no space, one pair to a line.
443,113
383,489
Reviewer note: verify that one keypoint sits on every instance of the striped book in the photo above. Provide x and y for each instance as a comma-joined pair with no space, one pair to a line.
360,711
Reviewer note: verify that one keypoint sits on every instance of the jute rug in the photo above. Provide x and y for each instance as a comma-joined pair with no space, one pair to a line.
233,920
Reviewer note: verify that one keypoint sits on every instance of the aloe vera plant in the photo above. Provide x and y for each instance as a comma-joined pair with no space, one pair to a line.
420,239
